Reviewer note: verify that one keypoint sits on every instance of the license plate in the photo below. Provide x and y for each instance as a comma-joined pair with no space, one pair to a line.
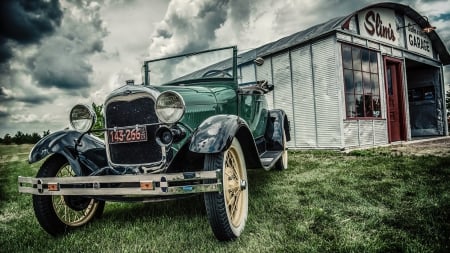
127,135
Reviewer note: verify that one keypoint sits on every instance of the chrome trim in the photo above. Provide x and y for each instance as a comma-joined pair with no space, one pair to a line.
91,185
179,97
128,95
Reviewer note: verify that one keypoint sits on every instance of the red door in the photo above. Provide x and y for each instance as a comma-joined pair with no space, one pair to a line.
395,101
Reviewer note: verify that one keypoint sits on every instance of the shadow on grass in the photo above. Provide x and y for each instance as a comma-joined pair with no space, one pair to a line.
131,211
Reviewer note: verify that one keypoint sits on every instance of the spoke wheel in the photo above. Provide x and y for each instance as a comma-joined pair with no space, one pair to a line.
57,214
227,211
73,210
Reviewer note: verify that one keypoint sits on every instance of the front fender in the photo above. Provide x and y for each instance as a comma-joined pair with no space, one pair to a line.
215,134
90,149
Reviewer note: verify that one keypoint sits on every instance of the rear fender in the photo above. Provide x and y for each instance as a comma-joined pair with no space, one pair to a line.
215,134
90,150
277,124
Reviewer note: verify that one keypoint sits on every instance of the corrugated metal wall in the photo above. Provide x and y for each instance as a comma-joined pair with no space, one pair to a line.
264,72
283,89
304,113
327,92
360,133
308,87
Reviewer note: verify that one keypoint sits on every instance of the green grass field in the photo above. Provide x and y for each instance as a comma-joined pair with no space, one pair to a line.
365,201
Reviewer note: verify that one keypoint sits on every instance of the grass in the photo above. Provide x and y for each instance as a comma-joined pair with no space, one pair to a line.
364,201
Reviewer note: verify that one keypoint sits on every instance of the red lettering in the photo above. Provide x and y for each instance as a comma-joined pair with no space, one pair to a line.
370,16
381,31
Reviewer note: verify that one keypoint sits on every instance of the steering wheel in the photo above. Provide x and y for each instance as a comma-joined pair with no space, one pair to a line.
214,72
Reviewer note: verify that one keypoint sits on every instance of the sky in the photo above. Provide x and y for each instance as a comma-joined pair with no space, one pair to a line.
55,54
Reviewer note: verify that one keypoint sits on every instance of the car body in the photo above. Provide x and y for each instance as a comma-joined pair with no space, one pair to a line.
188,129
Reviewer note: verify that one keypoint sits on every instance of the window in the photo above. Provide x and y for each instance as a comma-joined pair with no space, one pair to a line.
362,87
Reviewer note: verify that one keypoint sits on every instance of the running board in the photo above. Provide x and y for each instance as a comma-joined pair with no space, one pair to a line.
269,158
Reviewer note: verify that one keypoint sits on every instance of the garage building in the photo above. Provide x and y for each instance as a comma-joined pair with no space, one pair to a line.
371,78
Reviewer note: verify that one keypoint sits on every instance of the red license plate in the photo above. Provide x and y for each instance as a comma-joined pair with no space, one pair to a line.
127,135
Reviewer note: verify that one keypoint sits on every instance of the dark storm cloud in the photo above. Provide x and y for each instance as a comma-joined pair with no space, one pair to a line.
444,16
26,22
60,64
190,26
62,60
4,96
163,33
211,15
240,10
4,115
34,99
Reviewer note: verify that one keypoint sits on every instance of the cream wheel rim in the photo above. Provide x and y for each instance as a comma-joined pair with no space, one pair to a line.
233,187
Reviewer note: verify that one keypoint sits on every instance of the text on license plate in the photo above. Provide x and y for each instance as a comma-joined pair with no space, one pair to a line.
128,134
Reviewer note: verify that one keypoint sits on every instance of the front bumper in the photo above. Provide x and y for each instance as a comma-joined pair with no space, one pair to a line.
128,185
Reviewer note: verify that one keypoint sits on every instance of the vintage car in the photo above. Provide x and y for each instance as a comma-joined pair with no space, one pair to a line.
188,129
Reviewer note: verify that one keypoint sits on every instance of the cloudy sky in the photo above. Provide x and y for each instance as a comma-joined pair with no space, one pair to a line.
55,54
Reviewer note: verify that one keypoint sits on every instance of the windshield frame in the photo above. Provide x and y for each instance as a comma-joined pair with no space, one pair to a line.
146,69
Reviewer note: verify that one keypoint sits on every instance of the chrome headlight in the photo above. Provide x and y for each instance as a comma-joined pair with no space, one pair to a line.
169,107
82,118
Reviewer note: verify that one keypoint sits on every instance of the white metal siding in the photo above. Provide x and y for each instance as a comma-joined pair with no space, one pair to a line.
365,132
326,93
247,73
264,72
283,88
359,133
359,41
303,93
351,133
386,50
380,131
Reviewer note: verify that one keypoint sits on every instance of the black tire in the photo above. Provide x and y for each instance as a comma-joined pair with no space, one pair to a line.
53,213
282,162
227,211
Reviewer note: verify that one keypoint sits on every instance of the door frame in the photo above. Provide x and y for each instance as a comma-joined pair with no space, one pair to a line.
401,96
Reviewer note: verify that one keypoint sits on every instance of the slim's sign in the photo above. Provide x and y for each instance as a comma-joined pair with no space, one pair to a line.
379,24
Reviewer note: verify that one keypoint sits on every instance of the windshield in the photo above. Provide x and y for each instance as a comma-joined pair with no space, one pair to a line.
209,64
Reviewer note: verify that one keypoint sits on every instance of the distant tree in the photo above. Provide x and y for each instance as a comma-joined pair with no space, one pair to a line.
7,139
45,133
35,137
19,138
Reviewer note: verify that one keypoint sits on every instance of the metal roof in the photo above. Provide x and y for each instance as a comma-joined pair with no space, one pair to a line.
337,24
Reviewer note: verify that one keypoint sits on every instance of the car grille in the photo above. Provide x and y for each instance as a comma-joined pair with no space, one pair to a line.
123,112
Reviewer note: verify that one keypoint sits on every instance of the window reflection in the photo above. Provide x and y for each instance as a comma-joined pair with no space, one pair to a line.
362,86
356,53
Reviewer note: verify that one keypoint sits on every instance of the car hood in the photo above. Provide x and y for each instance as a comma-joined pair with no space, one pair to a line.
200,95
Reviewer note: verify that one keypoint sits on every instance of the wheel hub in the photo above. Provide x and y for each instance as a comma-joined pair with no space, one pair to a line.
77,203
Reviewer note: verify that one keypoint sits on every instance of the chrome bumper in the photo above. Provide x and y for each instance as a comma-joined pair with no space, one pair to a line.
132,185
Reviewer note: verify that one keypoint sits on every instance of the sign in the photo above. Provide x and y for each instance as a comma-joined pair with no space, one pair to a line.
379,24
416,40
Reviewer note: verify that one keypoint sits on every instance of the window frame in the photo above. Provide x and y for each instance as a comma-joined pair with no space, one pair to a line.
351,91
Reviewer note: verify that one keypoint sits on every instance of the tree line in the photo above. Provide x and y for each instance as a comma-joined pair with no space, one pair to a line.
23,138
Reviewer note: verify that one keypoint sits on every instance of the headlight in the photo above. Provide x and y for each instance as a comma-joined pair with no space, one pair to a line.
169,107
82,118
